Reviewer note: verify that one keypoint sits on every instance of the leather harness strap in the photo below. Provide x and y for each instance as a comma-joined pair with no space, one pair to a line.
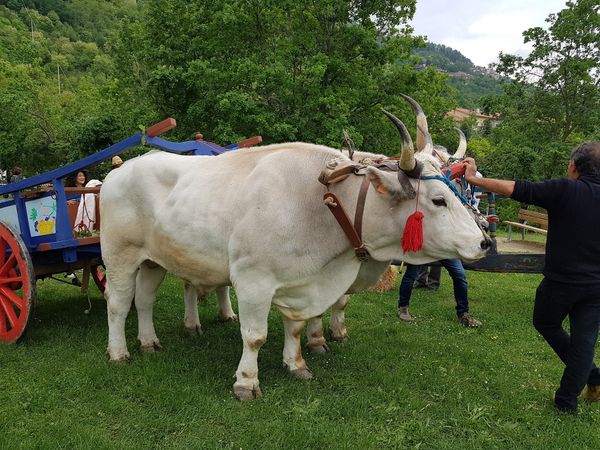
353,231
360,206
341,215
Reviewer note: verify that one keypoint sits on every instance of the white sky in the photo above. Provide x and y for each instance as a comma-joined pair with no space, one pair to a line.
480,29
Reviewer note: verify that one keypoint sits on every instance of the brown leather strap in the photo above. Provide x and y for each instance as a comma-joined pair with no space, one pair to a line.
360,206
331,176
340,214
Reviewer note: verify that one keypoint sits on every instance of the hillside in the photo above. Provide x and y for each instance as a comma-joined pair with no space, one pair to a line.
471,82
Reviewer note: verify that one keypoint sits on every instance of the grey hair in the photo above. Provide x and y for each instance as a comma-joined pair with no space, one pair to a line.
587,158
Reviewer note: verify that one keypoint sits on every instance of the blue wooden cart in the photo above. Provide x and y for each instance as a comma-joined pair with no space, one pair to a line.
37,238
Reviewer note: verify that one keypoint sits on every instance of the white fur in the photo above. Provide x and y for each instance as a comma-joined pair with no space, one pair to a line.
255,219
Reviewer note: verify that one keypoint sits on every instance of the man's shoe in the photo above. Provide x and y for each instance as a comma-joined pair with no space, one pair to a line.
566,410
403,314
469,321
592,393
419,285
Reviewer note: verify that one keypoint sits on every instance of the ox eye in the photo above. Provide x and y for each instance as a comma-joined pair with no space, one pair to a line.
439,201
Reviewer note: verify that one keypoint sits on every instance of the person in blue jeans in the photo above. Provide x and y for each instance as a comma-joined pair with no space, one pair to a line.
459,279
429,278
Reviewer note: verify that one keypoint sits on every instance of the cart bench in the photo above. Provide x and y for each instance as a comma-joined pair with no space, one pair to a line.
528,217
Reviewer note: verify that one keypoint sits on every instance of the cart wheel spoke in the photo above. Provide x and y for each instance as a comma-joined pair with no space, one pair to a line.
12,296
11,280
10,262
2,249
2,322
9,311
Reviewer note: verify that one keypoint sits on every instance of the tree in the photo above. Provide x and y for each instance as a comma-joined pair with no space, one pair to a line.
287,70
556,88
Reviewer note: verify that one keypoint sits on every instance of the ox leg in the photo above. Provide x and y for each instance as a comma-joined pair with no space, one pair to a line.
253,317
337,324
292,351
120,288
148,279
314,333
226,313
191,320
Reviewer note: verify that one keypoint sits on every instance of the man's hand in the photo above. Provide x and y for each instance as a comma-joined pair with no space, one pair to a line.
504,187
470,170
492,218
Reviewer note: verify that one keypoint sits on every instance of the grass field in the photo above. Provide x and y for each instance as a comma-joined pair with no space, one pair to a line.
430,384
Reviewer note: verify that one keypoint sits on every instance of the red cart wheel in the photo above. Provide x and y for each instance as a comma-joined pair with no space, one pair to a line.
99,276
17,285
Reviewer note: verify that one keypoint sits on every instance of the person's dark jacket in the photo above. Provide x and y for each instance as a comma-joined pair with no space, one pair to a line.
573,243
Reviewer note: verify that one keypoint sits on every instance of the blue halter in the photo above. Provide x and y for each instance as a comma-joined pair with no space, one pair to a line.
446,180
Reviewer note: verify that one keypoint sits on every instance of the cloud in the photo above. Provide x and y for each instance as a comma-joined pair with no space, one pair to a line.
480,30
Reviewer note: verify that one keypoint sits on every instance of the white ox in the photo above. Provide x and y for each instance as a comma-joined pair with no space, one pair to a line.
255,219
369,273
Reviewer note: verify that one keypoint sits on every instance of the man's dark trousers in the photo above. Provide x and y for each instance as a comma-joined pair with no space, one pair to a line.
581,302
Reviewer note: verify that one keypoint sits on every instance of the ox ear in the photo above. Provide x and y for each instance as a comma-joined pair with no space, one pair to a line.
388,184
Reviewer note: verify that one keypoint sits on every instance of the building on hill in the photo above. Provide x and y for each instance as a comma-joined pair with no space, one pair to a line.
460,114
464,75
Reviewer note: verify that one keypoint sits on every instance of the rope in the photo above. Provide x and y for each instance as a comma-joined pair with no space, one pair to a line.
81,226
446,180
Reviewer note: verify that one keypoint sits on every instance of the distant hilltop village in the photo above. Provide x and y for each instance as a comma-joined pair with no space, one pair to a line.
460,114
467,76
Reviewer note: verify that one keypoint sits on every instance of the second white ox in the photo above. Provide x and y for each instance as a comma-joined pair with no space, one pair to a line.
255,219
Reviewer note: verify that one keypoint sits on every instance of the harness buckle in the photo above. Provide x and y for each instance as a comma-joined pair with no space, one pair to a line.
362,254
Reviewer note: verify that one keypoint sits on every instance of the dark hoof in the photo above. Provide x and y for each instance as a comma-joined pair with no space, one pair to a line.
151,348
318,348
193,331
121,361
341,338
245,395
228,318
302,374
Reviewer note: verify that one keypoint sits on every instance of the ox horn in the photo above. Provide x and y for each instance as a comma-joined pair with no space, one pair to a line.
424,141
462,145
407,157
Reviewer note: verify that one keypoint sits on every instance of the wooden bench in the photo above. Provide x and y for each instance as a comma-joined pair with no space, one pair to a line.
526,217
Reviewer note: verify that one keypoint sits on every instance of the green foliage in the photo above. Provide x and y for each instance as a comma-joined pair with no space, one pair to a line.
470,90
470,82
78,76
557,87
289,71
445,58
56,83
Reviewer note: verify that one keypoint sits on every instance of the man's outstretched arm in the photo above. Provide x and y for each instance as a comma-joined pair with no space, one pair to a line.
504,187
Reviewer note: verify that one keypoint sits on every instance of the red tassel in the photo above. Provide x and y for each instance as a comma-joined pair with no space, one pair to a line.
412,239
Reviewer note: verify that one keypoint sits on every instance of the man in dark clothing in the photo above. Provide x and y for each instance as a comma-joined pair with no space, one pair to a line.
571,284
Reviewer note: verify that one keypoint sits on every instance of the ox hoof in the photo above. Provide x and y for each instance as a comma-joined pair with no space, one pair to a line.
244,394
193,331
232,318
302,374
324,348
340,337
121,359
151,347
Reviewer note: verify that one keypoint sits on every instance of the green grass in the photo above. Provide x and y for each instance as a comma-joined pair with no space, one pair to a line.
430,384
502,233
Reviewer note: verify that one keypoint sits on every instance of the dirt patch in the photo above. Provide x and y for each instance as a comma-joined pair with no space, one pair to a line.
519,246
